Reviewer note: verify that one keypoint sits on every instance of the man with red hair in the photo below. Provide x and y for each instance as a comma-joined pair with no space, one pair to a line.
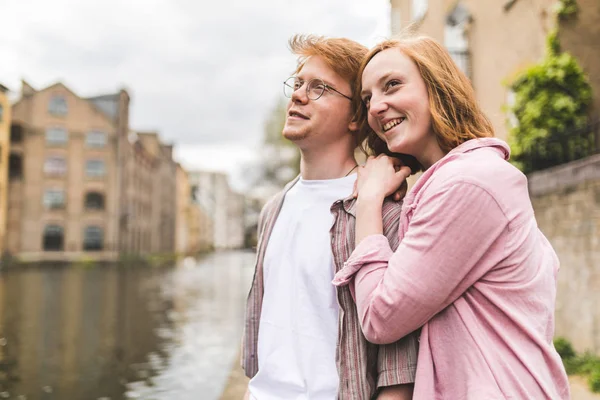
302,336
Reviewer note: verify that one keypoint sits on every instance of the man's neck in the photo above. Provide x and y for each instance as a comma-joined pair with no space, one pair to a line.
319,164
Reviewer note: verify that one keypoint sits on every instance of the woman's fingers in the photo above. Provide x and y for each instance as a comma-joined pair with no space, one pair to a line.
403,172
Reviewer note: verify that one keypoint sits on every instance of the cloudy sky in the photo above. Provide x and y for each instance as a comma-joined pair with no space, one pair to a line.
205,74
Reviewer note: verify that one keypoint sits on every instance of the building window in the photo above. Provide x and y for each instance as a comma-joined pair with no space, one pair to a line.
95,139
418,9
54,238
56,136
15,166
455,37
95,168
54,199
16,133
55,165
94,201
58,106
93,238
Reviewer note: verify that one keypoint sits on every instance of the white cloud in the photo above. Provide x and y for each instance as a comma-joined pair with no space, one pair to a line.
201,73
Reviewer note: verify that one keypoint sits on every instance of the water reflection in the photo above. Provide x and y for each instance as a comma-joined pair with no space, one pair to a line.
122,333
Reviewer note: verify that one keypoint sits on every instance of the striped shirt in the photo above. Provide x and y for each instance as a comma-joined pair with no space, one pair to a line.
362,367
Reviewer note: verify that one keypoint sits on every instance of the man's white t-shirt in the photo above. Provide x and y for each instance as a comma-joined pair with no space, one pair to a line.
299,319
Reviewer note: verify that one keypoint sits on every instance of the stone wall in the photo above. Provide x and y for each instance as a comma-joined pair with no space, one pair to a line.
566,200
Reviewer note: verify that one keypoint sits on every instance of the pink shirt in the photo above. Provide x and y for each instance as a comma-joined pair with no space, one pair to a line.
474,271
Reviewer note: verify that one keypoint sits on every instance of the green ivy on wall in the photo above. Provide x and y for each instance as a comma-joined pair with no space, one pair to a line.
566,8
551,103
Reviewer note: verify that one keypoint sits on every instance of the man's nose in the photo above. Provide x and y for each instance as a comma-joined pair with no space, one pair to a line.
299,95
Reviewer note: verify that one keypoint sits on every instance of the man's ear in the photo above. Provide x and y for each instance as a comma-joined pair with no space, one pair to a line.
353,126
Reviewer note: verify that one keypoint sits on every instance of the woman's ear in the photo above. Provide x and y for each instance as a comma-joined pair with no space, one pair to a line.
353,126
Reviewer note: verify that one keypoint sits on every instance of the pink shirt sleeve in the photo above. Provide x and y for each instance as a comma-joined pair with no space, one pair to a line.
454,237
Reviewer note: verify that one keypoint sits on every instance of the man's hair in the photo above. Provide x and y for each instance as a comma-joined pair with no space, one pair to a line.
455,114
342,55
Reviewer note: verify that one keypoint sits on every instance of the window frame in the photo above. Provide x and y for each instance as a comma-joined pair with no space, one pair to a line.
95,175
55,173
56,110
55,143
46,203
86,238
93,144
90,193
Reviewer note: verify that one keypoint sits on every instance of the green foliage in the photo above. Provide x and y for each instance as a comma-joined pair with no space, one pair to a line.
586,364
564,348
566,8
552,43
594,381
551,101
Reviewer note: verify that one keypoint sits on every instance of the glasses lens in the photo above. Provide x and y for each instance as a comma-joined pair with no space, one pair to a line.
316,87
289,86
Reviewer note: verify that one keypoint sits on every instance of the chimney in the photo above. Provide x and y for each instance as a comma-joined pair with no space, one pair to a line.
26,89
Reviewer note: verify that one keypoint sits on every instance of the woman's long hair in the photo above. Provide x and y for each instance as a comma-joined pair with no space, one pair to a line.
455,114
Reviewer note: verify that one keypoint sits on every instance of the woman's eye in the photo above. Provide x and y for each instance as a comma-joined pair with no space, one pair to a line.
366,101
391,84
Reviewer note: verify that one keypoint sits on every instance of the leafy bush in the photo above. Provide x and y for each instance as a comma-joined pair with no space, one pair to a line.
594,381
564,348
587,364
551,100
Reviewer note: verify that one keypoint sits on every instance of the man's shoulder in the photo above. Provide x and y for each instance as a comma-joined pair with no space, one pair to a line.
274,200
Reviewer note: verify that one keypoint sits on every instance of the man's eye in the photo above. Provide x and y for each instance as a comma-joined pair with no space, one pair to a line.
297,85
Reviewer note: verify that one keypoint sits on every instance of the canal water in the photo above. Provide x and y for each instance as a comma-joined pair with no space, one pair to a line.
115,332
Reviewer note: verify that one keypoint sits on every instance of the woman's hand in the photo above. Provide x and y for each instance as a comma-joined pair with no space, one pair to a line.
380,177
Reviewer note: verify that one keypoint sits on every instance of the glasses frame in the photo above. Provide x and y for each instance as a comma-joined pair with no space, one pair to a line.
320,81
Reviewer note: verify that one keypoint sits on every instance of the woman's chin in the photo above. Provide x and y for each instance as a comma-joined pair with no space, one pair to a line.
396,147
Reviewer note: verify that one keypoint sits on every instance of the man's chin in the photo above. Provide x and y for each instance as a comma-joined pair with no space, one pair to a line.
294,135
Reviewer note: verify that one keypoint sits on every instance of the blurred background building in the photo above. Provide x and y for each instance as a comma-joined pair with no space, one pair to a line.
79,183
219,207
5,116
493,41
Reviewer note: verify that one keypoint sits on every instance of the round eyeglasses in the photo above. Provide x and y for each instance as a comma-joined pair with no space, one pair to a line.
314,88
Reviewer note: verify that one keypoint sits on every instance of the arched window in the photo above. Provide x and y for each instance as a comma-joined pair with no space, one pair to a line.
94,201
54,238
93,238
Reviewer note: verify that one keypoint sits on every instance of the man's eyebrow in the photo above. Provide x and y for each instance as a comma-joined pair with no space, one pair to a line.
328,83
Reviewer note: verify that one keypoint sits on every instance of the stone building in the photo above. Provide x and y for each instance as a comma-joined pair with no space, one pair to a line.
163,192
193,225
82,185
493,41
64,183
5,118
224,208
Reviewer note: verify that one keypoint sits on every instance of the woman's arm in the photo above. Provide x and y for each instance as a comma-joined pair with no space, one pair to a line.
454,238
